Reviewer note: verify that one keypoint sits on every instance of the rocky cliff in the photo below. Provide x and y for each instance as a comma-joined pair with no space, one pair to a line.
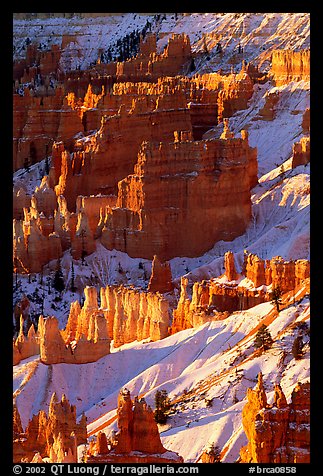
110,155
289,65
277,433
137,439
38,121
53,436
156,214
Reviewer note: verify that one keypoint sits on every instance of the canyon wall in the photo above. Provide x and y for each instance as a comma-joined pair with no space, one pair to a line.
289,65
38,121
98,163
54,436
137,439
277,433
156,214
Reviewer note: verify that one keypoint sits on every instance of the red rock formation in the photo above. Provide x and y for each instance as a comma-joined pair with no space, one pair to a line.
25,346
38,122
149,64
156,214
301,152
47,229
161,277
83,243
278,433
21,200
302,271
268,112
93,207
235,94
31,248
288,65
44,198
137,440
306,121
54,436
85,338
209,299
134,314
99,162
230,269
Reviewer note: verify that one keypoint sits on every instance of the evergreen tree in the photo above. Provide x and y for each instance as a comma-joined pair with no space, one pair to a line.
192,65
83,252
263,339
46,165
297,348
26,164
162,404
215,453
276,297
73,288
58,281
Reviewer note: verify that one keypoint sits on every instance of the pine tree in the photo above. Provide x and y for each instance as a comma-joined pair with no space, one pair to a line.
58,281
276,297
46,165
263,339
73,288
26,164
297,348
162,404
215,453
192,65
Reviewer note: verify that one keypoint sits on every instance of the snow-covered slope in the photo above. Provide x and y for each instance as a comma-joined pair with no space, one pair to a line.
215,362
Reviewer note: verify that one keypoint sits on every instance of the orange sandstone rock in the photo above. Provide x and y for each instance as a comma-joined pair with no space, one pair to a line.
54,436
277,433
138,437
230,269
25,346
134,314
301,152
161,277
171,196
289,65
207,300
85,338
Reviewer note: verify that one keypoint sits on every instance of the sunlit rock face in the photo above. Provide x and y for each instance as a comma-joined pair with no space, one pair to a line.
85,338
288,65
215,299
137,439
277,433
54,435
177,189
